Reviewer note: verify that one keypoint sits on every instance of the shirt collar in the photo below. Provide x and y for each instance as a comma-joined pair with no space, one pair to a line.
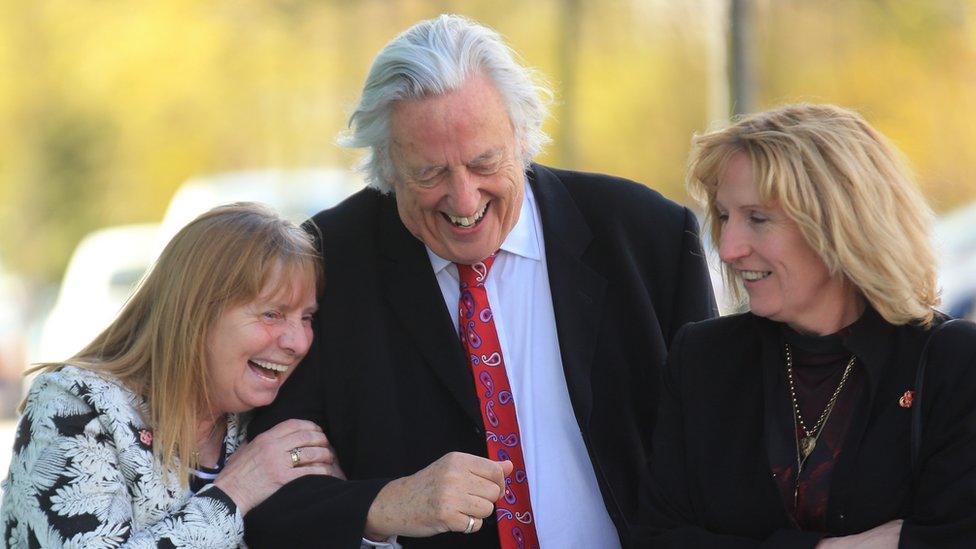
523,240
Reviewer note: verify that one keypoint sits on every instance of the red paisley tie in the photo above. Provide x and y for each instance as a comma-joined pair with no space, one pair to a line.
516,526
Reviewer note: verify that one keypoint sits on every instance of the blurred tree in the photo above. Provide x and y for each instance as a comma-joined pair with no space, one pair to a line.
106,107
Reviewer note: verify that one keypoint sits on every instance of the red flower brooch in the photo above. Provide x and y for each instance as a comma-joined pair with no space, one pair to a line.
906,399
145,437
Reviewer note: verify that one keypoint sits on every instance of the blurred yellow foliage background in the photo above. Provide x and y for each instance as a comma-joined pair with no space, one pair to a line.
106,107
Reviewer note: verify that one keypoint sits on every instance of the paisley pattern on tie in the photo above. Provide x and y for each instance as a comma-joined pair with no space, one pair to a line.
516,527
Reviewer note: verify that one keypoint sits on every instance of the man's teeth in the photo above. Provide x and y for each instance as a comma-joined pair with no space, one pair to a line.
270,365
468,221
752,276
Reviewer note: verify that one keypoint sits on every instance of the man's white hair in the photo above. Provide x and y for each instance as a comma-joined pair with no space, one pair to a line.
435,57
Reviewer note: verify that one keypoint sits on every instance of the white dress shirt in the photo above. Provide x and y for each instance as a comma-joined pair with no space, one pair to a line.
566,502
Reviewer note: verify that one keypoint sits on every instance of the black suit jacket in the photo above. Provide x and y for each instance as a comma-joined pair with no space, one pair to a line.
710,482
387,379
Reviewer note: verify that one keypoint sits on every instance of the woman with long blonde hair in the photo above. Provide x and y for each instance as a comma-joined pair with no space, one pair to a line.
138,439
840,411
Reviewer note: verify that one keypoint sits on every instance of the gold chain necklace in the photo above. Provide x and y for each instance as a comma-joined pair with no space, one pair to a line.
806,444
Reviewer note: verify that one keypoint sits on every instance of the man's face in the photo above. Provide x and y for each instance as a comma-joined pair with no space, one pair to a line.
459,178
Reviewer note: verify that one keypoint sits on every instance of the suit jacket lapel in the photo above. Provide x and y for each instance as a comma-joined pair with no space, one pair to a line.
577,290
416,300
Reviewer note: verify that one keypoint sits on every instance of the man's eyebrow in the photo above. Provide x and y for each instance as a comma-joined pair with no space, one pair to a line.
487,156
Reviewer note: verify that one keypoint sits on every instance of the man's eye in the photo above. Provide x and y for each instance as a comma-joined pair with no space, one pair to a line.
428,178
485,169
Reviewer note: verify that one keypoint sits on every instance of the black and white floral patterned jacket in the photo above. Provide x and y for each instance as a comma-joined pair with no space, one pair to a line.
83,475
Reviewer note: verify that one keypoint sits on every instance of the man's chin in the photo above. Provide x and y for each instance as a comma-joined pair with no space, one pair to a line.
458,250
468,256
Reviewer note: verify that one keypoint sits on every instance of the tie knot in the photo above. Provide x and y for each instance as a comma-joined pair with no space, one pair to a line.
475,274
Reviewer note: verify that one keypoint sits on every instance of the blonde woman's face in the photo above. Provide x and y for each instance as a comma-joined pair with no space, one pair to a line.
785,278
255,346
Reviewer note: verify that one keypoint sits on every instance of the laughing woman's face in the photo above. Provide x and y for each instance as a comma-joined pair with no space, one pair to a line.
255,346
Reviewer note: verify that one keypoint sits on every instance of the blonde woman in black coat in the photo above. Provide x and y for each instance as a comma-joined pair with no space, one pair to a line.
791,425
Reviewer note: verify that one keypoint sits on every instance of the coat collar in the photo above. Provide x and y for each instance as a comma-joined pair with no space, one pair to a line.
410,288
578,291
870,338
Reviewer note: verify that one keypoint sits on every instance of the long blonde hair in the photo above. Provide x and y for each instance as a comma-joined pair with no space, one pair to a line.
157,345
846,187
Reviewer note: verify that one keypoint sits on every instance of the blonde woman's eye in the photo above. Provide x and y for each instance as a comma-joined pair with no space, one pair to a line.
272,315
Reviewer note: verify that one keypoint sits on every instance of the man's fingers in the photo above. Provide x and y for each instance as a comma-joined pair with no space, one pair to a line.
507,467
485,489
463,522
476,506
491,470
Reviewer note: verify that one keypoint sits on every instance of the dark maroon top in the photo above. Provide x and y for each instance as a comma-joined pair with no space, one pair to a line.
818,365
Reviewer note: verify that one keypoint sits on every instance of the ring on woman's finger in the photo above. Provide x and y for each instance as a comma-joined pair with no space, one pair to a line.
296,456
470,527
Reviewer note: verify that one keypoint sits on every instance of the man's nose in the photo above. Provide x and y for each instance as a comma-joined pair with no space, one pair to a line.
464,192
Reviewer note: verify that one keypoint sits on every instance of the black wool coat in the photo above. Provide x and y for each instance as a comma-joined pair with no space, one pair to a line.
710,483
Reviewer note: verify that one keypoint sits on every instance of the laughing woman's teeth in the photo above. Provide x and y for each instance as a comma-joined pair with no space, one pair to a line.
752,276
270,365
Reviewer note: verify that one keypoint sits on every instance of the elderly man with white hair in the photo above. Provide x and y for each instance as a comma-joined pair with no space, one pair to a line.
488,347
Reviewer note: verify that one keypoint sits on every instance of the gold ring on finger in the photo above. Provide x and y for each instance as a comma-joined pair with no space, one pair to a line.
296,456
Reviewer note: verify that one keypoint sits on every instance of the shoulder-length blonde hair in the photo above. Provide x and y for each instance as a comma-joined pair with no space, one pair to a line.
157,345
846,187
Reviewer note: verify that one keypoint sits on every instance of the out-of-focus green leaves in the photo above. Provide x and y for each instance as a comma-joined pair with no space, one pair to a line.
105,107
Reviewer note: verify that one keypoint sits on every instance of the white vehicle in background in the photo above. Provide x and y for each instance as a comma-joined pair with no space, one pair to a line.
108,263
102,272
955,243
295,194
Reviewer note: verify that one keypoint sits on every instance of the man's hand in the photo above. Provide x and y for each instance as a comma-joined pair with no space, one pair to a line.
880,537
439,498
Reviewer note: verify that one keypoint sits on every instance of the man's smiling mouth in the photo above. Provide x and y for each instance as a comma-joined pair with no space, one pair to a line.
467,222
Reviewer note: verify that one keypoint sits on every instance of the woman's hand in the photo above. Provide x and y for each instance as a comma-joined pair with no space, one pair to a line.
257,469
880,537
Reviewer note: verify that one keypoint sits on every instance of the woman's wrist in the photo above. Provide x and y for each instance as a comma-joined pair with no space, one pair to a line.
237,496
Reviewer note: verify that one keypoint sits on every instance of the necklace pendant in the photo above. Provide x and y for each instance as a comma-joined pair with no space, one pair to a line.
807,444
